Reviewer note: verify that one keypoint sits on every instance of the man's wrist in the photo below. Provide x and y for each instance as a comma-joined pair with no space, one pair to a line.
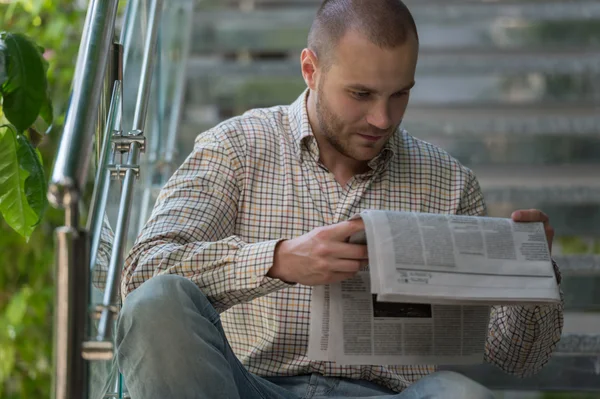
276,269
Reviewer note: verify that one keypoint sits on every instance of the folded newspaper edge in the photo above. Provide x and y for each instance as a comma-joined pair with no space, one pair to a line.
438,258
425,298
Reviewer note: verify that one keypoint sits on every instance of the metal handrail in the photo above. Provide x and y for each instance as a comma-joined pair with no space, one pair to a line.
139,119
100,194
127,32
65,190
72,161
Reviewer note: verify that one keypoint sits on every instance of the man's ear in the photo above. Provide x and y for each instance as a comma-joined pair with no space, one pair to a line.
310,68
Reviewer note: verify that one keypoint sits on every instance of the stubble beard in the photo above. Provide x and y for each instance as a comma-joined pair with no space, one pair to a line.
330,126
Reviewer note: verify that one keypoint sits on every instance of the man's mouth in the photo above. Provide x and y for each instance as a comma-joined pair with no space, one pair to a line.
371,138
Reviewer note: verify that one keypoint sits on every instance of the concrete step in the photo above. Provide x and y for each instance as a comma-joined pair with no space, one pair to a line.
441,24
431,61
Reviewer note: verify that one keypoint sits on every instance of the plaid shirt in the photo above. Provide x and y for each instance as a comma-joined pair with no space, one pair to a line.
256,179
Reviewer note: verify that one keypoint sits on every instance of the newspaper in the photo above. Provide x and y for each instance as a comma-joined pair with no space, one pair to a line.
437,258
350,326
426,295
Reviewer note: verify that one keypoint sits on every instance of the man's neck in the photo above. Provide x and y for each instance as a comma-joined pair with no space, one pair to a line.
341,166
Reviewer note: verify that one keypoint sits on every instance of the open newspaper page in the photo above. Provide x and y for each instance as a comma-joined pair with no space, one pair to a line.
318,339
444,259
426,295
362,330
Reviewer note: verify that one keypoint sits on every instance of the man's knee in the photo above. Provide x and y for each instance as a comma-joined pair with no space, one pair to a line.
169,340
164,297
450,385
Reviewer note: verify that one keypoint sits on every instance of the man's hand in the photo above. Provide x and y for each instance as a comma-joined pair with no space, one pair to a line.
534,215
321,256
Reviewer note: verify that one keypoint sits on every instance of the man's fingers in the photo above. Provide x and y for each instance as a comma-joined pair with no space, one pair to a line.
345,266
535,215
529,215
342,250
344,230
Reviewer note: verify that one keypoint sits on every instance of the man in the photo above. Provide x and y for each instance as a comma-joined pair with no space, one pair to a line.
258,214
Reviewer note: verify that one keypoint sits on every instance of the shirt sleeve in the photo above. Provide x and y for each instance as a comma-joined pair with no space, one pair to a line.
191,231
521,339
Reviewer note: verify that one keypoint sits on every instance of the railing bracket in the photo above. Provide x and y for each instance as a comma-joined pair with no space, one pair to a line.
97,350
117,171
97,311
123,142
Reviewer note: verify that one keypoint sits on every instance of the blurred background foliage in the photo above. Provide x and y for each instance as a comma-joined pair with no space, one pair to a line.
27,269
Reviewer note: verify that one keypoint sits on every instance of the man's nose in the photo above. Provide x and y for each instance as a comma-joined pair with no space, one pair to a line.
380,116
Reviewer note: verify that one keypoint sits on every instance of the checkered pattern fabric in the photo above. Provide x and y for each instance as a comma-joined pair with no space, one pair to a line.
256,179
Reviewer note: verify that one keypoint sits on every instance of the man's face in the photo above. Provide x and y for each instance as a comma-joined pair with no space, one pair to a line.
362,98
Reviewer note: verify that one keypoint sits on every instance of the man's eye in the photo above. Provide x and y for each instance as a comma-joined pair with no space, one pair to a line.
361,95
401,94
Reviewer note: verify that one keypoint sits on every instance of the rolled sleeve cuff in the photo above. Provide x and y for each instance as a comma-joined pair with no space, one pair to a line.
252,264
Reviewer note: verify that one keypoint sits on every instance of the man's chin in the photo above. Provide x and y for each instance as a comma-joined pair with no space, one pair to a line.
366,154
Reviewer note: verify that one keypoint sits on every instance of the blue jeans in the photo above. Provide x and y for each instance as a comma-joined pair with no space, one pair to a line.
170,344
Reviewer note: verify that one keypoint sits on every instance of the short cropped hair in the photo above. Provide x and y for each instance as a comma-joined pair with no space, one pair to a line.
386,23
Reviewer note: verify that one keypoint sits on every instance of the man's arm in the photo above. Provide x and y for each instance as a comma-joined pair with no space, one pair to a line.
191,231
521,339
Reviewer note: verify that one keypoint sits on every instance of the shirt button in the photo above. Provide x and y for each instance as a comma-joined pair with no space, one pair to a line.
254,278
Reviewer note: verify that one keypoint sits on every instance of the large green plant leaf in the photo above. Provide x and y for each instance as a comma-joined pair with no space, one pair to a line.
13,201
25,90
3,75
46,110
35,184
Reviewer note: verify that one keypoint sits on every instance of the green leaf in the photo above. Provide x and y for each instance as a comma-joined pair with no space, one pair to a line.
47,113
46,110
35,184
25,90
13,201
3,68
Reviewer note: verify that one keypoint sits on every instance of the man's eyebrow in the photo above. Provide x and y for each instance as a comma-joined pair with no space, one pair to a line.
360,87
410,86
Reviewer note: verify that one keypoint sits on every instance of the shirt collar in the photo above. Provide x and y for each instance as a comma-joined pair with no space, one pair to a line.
387,153
304,139
299,124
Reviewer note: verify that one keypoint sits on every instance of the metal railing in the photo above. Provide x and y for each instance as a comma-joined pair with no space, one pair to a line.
98,76
134,143
65,191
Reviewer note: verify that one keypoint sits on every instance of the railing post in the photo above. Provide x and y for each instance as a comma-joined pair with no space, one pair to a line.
72,277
